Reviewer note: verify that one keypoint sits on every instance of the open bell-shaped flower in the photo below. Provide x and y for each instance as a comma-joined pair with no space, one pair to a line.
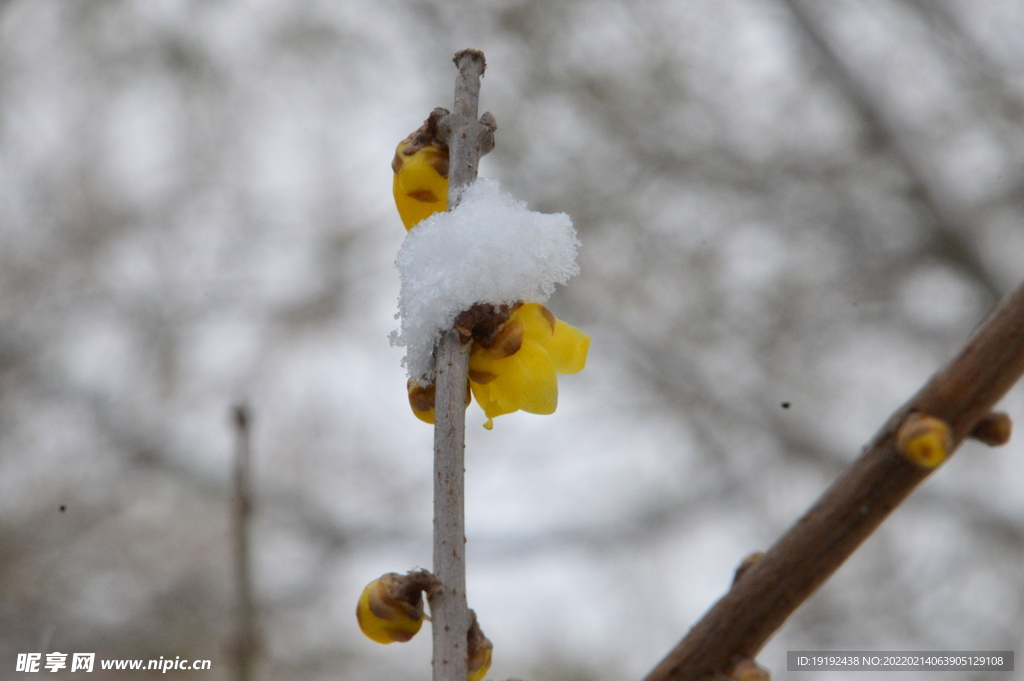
518,370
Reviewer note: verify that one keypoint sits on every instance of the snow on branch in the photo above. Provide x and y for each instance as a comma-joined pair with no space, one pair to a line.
490,249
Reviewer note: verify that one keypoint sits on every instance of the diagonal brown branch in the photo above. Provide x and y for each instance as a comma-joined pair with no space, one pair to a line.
467,140
771,589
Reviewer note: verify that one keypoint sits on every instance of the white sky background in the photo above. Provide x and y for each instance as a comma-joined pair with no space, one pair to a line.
195,209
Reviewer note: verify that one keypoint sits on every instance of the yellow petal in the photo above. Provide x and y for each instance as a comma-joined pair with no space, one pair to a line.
526,381
420,189
488,401
565,344
538,320
568,348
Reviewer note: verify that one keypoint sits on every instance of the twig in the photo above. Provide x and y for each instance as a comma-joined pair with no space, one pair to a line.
448,608
772,586
246,646
467,140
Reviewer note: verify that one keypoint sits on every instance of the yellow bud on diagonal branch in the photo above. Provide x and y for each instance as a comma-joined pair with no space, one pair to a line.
924,440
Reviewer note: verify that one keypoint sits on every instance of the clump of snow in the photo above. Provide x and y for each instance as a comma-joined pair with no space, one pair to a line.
490,249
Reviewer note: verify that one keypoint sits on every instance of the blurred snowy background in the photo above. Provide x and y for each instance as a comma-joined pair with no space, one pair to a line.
792,213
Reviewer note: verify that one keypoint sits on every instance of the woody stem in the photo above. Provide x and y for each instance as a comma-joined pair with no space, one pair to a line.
448,607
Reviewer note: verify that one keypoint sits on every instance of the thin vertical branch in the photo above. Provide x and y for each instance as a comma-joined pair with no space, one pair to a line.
448,607
246,645
467,139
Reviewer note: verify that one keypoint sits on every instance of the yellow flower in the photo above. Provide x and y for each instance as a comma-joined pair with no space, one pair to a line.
421,178
391,609
518,370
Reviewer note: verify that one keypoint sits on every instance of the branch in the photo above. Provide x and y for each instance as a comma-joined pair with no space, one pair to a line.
769,588
467,140
246,645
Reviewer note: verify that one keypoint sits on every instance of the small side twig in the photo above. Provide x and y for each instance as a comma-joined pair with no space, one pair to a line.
467,139
920,435
246,646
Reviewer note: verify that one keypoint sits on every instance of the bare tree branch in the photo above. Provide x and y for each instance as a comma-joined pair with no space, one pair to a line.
772,588
467,140
246,646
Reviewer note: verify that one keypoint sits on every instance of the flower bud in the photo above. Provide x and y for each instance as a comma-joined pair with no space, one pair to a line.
421,173
924,440
994,429
421,399
391,608
479,651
